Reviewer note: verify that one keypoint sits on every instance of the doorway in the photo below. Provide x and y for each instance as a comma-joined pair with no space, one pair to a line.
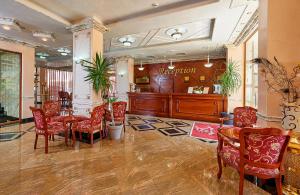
10,87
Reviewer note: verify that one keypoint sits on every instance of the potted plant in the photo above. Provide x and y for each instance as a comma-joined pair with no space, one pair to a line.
280,81
230,82
99,72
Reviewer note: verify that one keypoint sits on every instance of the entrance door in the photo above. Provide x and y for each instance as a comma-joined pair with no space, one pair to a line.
10,76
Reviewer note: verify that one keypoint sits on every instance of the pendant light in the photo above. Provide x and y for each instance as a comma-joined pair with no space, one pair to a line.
171,66
208,64
141,68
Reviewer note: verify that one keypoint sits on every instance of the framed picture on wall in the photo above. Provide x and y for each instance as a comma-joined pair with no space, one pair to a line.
202,78
186,79
142,80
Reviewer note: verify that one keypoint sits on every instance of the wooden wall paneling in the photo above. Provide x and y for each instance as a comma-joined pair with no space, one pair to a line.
183,69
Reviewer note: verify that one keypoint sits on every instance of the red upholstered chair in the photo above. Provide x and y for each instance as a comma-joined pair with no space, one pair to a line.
47,129
52,110
260,154
91,125
119,111
242,117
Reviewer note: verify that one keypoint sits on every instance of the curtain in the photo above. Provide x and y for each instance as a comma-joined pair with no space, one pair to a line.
58,80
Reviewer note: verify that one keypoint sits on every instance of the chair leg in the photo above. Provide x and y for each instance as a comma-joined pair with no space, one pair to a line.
220,167
278,185
92,138
73,138
80,136
53,137
241,186
124,125
36,139
46,144
66,137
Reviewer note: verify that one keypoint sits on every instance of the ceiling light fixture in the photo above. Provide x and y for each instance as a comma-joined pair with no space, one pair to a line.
64,51
155,4
44,36
42,55
127,41
171,66
176,33
9,23
141,68
6,27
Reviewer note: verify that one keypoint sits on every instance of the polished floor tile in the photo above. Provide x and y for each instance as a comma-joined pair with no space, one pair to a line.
143,162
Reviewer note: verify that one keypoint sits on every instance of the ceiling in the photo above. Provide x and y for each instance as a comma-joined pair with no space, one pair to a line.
209,24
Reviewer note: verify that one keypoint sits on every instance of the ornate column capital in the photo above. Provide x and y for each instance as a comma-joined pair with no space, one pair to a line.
88,23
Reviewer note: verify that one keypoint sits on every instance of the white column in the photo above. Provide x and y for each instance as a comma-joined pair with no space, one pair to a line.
87,40
124,76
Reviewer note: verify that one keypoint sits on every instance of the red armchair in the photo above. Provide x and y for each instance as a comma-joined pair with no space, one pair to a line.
119,111
242,117
260,154
90,125
47,129
52,110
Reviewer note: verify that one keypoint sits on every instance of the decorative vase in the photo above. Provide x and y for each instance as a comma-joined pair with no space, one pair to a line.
115,131
291,117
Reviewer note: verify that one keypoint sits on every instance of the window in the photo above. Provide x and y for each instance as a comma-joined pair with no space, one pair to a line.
251,80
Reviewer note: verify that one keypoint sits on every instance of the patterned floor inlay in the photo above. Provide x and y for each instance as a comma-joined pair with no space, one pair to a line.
177,123
153,120
130,118
143,127
9,136
172,131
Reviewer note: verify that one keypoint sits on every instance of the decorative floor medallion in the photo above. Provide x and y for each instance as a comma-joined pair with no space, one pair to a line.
172,131
177,123
142,127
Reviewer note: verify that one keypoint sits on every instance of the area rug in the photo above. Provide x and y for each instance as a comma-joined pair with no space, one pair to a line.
205,131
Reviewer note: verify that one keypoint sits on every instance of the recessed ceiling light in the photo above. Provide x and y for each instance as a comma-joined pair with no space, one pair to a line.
43,57
155,4
176,33
9,23
44,36
64,54
64,50
127,41
6,27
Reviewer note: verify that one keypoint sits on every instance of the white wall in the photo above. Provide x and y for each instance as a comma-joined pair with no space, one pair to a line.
124,76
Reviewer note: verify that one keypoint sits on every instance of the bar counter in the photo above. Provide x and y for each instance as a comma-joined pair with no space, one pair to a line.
202,107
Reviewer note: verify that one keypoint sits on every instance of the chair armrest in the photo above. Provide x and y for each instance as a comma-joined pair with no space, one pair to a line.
223,119
229,140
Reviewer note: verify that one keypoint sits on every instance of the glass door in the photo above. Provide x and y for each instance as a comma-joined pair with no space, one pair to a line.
10,74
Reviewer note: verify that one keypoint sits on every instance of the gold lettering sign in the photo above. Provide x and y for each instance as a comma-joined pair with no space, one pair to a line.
176,71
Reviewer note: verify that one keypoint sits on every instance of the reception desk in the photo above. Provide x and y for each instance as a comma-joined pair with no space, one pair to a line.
204,107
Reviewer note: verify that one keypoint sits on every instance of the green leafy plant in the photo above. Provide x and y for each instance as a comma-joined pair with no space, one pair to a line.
231,79
98,74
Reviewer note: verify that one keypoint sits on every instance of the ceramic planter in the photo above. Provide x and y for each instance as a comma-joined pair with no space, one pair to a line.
291,117
115,131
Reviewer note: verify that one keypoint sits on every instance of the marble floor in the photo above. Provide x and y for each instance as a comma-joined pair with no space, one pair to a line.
143,162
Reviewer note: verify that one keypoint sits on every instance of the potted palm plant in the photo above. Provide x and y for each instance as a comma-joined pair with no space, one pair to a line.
230,82
99,72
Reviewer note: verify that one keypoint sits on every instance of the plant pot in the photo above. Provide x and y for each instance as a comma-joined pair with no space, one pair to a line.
228,115
115,131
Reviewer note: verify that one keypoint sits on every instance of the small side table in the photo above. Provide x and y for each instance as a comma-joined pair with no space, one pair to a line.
72,119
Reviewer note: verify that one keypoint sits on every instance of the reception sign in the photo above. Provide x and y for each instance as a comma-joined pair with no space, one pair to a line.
184,70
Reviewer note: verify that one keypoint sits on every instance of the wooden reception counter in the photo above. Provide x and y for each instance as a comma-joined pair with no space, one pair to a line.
204,107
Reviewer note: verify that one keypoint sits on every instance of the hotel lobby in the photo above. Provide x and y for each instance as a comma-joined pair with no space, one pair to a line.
150,97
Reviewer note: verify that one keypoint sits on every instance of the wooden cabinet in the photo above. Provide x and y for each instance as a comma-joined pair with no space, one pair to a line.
204,107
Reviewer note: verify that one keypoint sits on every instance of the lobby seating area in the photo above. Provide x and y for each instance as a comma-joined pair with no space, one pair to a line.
150,97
